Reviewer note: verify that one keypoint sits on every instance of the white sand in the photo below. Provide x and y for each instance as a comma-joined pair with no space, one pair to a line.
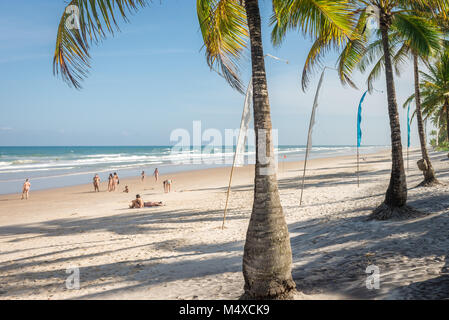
180,252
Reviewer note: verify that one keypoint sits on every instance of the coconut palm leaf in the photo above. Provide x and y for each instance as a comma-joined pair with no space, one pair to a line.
224,29
85,22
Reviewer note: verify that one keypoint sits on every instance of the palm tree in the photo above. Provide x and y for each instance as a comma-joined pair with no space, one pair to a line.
435,91
225,26
267,255
412,37
391,14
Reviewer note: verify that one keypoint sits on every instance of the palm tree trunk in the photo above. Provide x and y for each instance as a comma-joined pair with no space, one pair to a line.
429,173
396,196
267,258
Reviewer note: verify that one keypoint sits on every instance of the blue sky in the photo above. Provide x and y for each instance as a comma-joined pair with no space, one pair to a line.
153,78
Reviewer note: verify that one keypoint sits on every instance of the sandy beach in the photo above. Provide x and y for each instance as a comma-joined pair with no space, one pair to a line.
179,251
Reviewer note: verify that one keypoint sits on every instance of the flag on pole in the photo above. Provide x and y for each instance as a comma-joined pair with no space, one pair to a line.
312,118
408,127
408,136
359,121
244,125
309,135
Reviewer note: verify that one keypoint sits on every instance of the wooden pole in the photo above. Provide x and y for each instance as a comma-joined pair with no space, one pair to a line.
229,190
358,168
408,162
304,176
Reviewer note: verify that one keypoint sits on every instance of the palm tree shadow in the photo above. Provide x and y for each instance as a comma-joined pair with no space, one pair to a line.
332,256
432,289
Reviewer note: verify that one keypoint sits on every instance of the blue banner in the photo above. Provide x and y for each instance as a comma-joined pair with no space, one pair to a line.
359,121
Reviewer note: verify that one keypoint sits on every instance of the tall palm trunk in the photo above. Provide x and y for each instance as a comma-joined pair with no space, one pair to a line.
429,173
267,258
396,196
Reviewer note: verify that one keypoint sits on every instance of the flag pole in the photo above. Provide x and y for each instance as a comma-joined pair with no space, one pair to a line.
304,176
408,137
248,98
358,168
240,140
359,135
229,190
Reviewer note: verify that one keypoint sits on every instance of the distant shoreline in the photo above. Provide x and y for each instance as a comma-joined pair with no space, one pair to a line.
179,170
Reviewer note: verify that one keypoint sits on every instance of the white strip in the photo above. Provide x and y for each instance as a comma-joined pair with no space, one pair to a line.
244,125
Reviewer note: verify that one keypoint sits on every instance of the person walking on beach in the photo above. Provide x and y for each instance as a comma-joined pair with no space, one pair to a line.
96,183
116,180
156,174
143,176
26,189
110,182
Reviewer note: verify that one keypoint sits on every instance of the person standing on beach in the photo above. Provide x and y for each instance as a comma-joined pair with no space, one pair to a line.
116,180
143,176
156,174
167,185
26,189
96,183
110,182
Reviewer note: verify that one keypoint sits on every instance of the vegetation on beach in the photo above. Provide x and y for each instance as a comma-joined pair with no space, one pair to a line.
228,27
435,89
401,24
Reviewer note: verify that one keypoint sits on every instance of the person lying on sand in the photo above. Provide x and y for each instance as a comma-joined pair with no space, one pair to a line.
126,189
139,203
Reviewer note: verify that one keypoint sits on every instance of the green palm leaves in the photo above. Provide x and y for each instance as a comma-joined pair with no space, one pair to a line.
435,90
329,23
82,23
223,25
410,25
224,29
409,35
225,33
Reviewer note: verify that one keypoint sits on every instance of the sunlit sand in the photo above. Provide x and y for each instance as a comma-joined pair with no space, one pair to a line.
179,251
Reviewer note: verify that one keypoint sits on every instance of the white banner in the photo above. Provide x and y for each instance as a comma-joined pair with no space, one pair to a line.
244,125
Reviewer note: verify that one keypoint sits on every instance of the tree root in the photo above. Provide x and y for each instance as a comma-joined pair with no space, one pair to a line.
287,291
429,183
386,212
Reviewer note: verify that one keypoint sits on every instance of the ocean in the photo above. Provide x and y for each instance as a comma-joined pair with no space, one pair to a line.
54,167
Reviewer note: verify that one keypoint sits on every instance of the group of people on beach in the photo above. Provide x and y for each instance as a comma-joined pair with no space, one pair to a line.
113,182
167,183
155,174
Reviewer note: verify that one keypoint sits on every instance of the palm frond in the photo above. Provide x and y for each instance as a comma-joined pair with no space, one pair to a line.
85,22
224,29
